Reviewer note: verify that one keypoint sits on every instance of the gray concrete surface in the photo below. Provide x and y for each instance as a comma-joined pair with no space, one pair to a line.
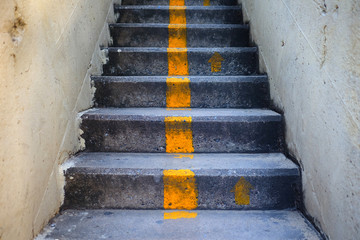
112,224
187,2
132,61
206,91
194,14
197,35
213,130
135,181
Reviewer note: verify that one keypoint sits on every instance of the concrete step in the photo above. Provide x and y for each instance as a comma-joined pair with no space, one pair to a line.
139,181
192,225
187,2
154,61
194,14
206,92
197,35
206,130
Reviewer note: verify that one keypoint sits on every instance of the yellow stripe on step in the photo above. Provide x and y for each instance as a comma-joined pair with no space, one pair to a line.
179,214
178,94
178,133
177,3
177,15
177,62
177,35
180,189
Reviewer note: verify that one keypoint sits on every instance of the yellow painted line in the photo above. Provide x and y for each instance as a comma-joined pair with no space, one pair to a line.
206,2
178,133
179,214
180,189
177,62
191,156
177,15
178,94
178,109
242,192
215,61
177,3
177,35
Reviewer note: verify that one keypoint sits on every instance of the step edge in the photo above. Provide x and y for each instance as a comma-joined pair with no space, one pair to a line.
164,7
193,79
188,26
192,49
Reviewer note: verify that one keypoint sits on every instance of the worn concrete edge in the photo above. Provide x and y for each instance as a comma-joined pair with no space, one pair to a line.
154,7
162,79
191,26
252,50
137,115
286,151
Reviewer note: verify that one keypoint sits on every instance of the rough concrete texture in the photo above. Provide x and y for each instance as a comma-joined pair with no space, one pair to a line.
311,51
187,2
135,224
46,58
206,91
194,14
135,180
197,35
213,130
154,61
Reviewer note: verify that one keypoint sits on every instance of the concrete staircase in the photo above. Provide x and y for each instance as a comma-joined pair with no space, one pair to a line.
180,144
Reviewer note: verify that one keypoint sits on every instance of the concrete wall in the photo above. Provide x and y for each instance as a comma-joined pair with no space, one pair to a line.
311,51
46,52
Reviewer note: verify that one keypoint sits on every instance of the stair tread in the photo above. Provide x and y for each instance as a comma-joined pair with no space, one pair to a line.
188,26
150,114
194,49
222,79
98,161
162,7
185,3
205,224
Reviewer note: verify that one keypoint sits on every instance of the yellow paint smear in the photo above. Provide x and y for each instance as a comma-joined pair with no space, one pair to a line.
177,62
215,61
177,35
177,3
180,190
178,133
242,192
180,214
191,156
206,2
177,15
178,94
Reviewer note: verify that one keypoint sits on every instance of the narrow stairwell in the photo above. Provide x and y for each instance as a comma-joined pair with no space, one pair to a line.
181,144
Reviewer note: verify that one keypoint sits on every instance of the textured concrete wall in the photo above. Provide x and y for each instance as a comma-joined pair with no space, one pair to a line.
46,52
311,51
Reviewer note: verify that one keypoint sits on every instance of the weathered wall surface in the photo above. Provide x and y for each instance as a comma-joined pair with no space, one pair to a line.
311,51
46,49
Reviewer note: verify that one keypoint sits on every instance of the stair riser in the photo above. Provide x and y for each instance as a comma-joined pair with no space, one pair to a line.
231,16
228,94
187,2
144,189
196,37
155,63
149,136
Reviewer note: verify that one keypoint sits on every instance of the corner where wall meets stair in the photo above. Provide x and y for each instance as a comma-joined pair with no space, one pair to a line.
181,143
